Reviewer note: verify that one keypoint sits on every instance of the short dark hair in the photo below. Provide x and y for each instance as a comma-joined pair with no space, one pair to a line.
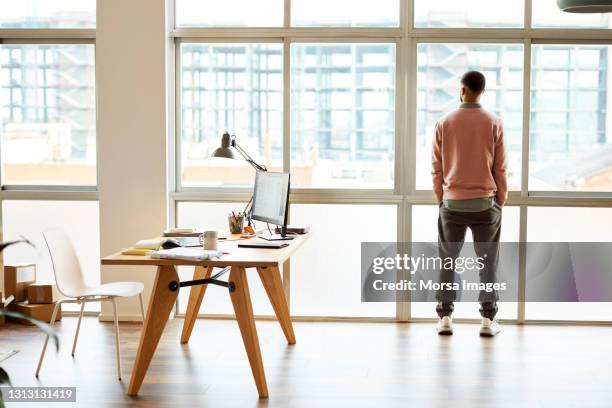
475,81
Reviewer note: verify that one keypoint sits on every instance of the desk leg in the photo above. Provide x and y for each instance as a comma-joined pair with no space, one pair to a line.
195,301
241,299
160,305
271,279
287,282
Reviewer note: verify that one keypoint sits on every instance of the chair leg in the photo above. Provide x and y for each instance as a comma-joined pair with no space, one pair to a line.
141,307
117,338
42,354
76,335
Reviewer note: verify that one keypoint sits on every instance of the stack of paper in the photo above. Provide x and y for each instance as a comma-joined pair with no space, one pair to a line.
186,254
183,232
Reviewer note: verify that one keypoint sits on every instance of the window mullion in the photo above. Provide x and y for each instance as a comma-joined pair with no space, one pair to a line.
286,104
528,15
526,118
287,14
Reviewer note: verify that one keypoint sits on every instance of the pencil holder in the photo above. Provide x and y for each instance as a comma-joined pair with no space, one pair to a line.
236,222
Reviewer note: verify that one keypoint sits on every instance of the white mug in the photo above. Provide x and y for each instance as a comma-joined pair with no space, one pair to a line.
209,240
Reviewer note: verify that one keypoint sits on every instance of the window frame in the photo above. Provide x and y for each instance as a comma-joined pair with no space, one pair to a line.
454,40
75,193
577,195
173,5
176,162
28,36
404,194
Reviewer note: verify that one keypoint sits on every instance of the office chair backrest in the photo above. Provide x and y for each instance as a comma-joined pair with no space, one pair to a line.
65,263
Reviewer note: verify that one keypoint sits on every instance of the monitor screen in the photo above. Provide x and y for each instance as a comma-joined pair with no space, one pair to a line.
270,197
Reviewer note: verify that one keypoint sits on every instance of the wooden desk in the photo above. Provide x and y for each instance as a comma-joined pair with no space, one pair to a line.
266,261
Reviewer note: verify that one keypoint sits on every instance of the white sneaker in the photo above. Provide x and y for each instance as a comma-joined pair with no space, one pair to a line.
489,328
445,326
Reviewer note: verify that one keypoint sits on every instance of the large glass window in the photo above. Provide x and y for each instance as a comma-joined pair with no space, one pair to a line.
344,13
79,219
547,14
236,88
343,115
562,224
48,14
48,131
47,117
324,280
229,13
346,71
326,271
570,146
468,13
440,67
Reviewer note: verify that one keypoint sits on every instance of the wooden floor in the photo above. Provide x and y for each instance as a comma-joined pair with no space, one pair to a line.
332,365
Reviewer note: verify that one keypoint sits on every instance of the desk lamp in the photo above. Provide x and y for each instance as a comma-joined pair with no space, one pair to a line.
228,150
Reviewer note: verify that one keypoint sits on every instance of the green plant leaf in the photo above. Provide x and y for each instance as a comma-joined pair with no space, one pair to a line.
4,377
4,245
42,326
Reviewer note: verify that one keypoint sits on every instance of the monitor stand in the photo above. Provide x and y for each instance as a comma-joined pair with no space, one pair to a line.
276,237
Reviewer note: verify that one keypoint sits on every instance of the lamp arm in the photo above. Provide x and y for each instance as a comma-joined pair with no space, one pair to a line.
247,211
246,156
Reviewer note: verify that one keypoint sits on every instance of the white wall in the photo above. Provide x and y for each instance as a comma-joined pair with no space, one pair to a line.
131,128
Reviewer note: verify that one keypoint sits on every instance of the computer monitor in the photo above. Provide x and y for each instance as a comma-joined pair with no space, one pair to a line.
271,201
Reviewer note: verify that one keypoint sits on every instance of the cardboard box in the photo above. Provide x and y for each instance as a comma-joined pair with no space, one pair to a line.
43,293
4,303
40,312
17,278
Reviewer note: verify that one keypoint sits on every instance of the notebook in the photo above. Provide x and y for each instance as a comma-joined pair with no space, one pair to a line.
136,251
143,247
148,244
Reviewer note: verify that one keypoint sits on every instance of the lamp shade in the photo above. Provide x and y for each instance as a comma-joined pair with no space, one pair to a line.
585,6
225,153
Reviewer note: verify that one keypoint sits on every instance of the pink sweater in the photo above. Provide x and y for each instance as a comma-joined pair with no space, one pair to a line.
469,156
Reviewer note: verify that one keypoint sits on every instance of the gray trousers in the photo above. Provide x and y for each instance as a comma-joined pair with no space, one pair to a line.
486,230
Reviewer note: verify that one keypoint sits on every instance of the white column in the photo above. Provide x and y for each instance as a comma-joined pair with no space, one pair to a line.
131,39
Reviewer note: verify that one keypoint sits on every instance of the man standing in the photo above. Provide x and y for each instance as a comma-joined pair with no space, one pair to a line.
469,181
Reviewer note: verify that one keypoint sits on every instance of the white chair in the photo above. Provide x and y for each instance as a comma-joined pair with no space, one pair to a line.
71,284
